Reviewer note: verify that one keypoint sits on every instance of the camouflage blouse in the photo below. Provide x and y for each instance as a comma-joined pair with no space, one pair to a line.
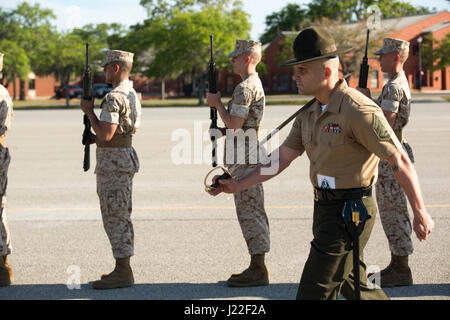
247,102
396,97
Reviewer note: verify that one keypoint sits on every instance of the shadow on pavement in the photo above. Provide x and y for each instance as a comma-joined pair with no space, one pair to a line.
420,290
192,291
155,291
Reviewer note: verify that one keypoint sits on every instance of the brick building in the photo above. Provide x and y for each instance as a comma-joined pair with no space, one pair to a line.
279,80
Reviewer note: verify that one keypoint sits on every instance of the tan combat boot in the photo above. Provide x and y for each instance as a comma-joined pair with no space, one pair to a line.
397,273
255,275
121,277
6,274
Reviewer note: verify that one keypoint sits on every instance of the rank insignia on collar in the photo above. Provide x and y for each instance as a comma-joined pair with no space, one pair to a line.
331,128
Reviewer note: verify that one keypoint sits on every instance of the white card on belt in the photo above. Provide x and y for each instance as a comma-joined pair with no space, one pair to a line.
326,182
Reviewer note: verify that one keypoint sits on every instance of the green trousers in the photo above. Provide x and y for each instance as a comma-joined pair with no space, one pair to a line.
329,268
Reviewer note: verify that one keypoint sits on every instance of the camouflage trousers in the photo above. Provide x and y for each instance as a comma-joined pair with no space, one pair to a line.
393,209
252,215
5,238
114,191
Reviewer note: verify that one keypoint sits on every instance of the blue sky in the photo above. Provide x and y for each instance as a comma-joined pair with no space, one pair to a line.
72,13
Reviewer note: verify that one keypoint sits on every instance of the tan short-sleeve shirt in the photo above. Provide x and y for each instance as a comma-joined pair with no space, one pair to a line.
345,141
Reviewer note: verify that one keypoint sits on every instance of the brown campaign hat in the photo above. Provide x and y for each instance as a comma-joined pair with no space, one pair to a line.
311,44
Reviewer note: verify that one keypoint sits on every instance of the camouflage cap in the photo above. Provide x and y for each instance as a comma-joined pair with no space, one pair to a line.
393,45
117,55
242,46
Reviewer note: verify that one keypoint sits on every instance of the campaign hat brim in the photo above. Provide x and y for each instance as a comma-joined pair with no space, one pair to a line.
293,62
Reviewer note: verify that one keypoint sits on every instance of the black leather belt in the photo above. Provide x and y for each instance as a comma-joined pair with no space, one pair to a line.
341,194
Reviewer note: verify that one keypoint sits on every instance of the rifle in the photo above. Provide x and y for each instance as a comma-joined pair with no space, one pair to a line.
364,68
212,80
228,173
87,95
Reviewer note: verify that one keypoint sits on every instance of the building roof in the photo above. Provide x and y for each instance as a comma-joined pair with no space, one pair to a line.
437,27
391,24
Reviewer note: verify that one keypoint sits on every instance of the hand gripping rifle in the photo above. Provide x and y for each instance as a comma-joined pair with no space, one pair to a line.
364,68
87,95
212,79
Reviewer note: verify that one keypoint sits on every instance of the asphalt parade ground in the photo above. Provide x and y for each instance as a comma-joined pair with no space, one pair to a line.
187,243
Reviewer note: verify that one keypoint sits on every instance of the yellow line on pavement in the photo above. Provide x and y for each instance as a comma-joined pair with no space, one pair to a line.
181,208
154,208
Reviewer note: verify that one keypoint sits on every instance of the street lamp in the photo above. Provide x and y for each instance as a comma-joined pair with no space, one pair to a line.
419,41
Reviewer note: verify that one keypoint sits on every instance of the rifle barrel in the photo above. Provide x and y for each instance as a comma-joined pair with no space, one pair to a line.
367,42
211,46
87,54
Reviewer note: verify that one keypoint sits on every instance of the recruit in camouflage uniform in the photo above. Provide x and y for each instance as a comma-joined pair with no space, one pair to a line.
391,199
116,167
117,162
248,102
6,116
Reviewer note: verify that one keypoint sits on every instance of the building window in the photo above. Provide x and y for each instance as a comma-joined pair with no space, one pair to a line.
274,83
293,84
32,84
265,82
230,83
284,85
374,79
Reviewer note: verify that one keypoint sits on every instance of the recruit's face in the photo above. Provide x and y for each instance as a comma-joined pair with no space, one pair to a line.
109,72
308,76
387,61
239,62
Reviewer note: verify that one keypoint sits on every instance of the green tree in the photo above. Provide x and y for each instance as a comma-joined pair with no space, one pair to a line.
177,33
8,27
68,58
346,36
290,18
356,10
30,27
97,36
15,63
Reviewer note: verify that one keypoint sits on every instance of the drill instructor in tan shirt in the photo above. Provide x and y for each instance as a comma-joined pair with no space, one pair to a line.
344,134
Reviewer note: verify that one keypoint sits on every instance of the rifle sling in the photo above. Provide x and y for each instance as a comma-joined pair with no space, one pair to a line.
117,141
233,167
